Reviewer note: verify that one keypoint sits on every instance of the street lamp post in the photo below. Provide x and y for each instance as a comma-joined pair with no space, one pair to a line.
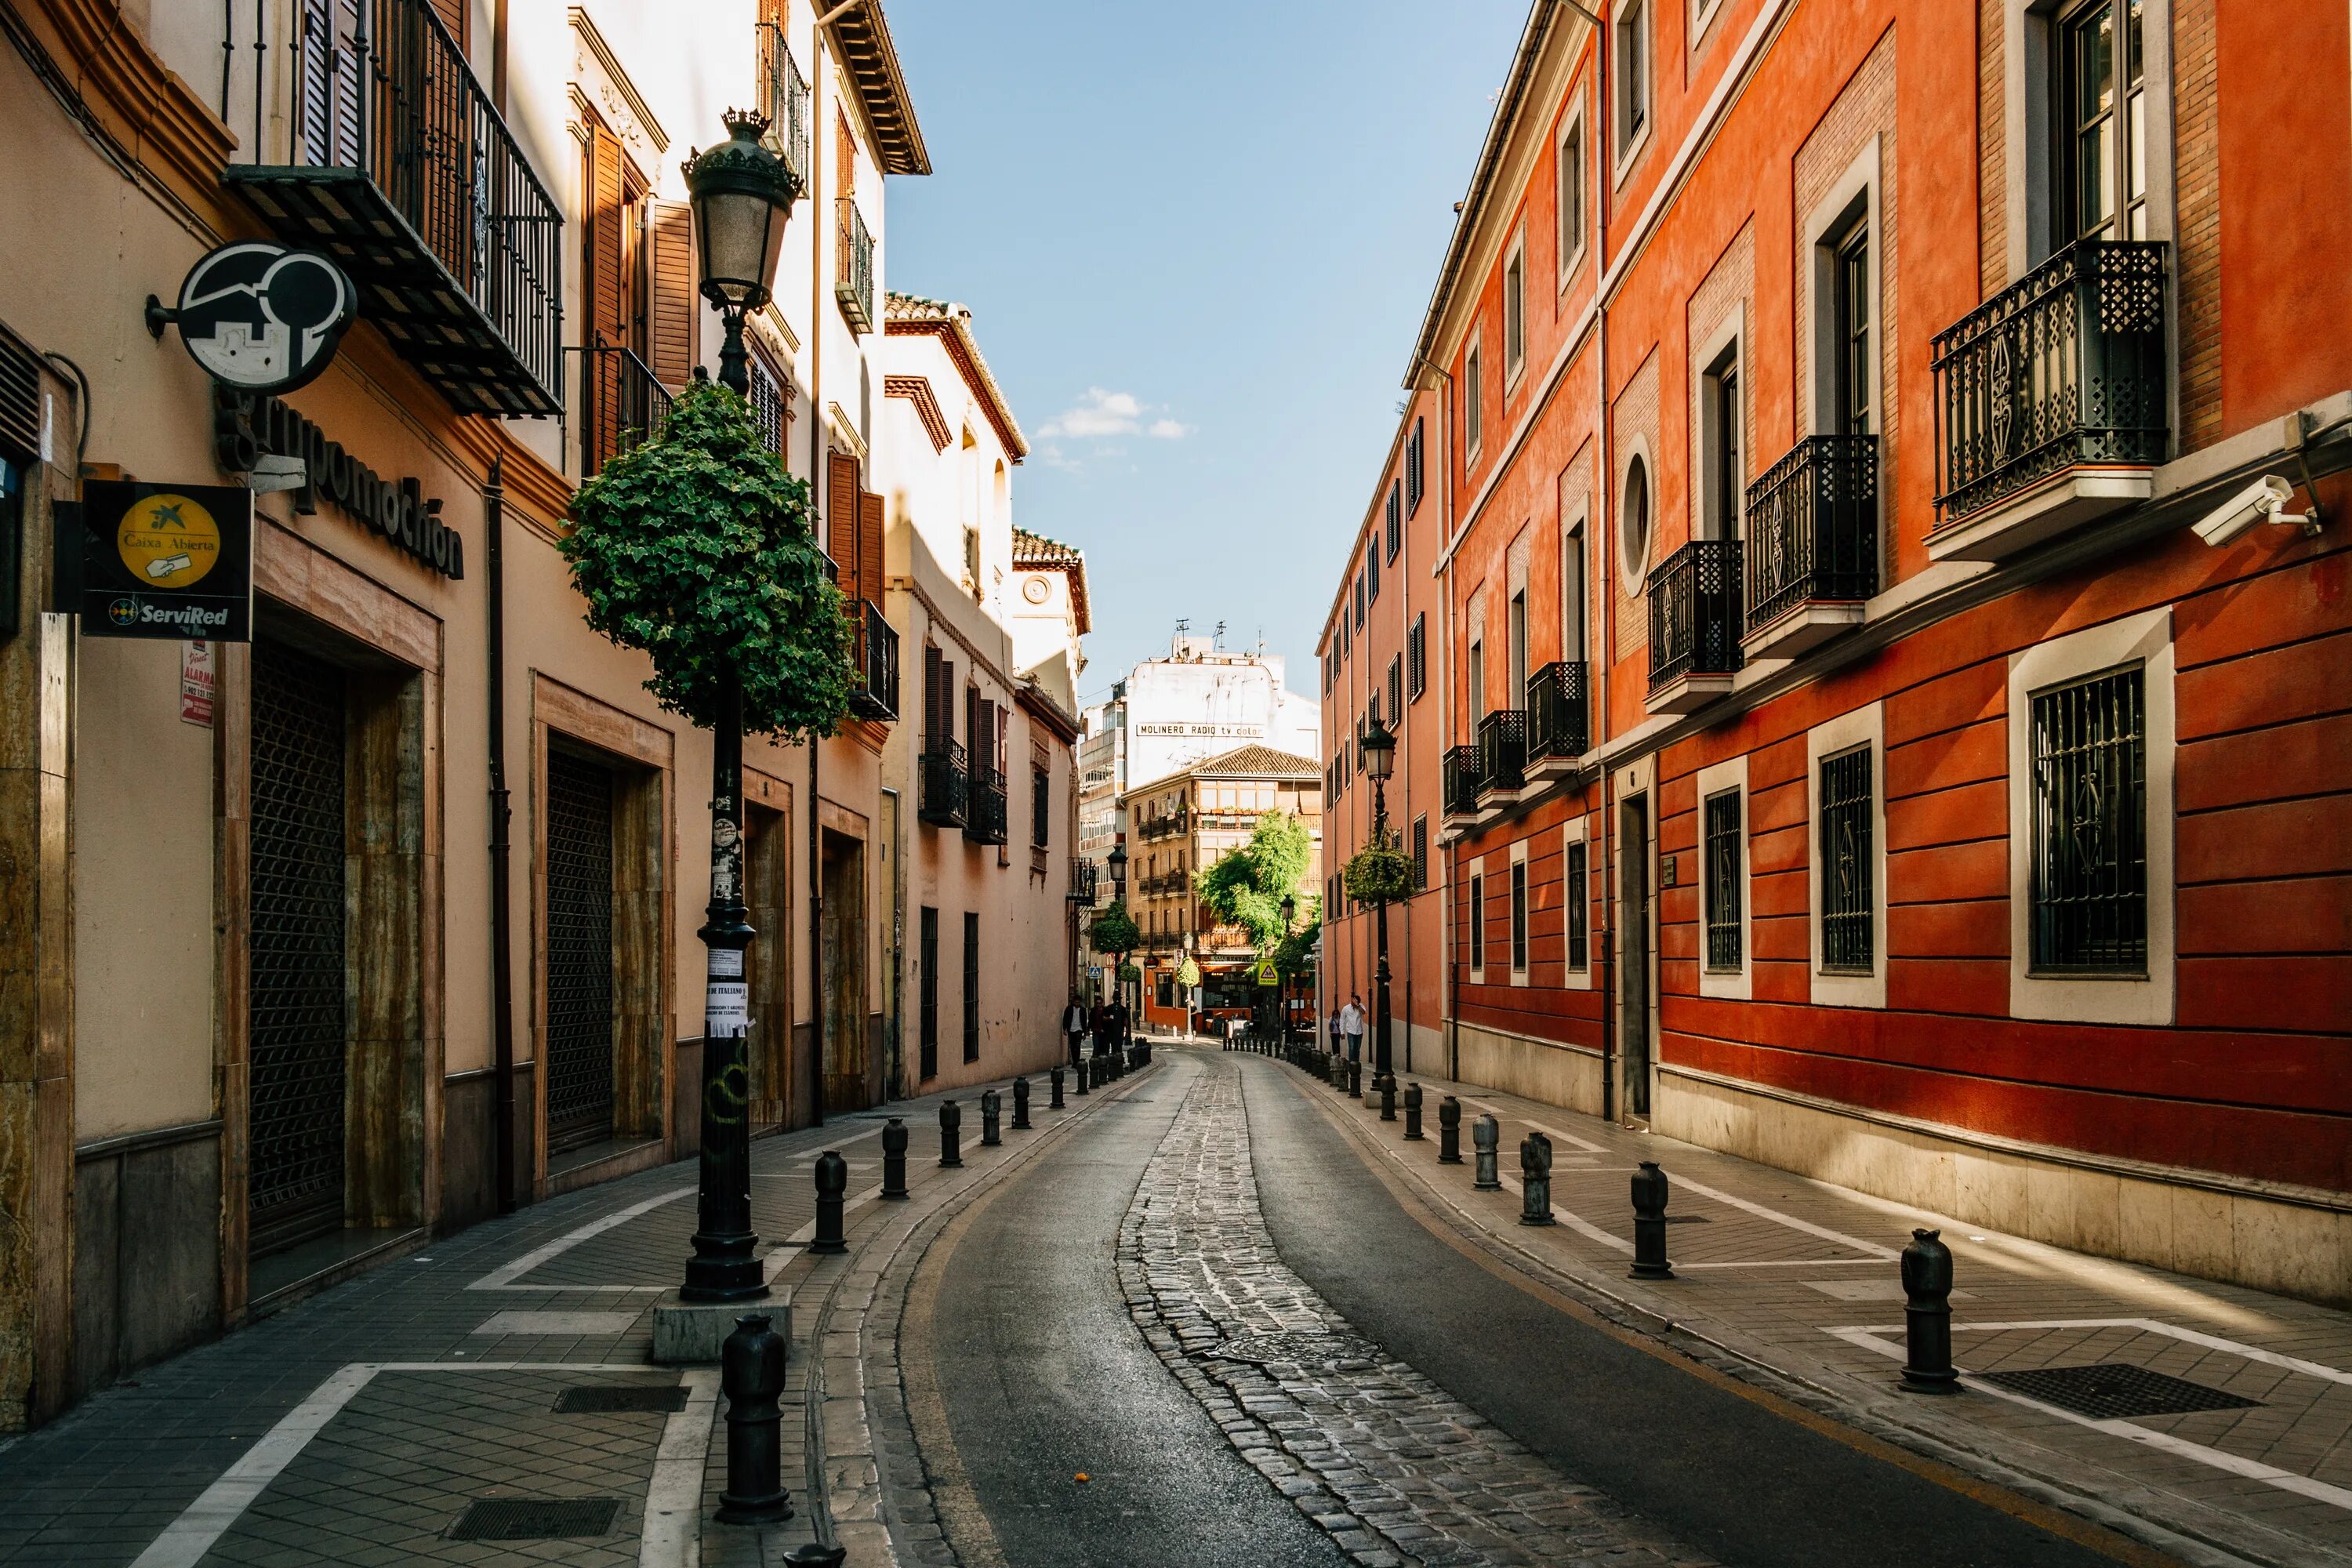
1118,897
1379,761
1289,907
741,194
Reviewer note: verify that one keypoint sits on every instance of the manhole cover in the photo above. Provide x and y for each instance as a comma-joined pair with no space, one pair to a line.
2116,1391
665,1399
1298,1348
535,1519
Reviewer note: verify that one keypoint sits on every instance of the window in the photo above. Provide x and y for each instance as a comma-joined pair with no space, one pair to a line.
1519,917
2089,844
1850,327
1419,853
1723,879
1360,600
1847,823
1412,469
1396,689
1571,592
1633,523
1477,923
1579,913
1473,401
1515,313
971,987
1518,631
1476,666
1395,519
1416,648
1041,807
1633,76
1721,425
1372,568
929,924
772,405
1571,195
2101,184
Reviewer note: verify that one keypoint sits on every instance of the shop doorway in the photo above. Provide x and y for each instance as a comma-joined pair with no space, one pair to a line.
840,969
1634,950
578,952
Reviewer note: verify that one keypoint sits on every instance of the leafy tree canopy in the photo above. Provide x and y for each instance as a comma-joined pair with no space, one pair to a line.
1188,973
1295,954
1245,888
1114,930
694,548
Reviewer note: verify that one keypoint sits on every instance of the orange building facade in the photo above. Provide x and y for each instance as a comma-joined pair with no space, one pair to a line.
1888,612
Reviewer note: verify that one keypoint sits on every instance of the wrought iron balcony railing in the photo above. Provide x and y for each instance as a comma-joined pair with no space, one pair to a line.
985,813
1695,612
853,271
1086,880
1812,528
1462,773
622,403
945,782
1502,750
874,683
402,170
1560,719
2064,367
785,102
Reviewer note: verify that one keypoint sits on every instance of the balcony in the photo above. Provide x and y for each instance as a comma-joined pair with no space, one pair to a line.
2051,401
621,404
1693,626
1502,758
1168,825
402,170
945,784
874,661
854,269
984,809
1813,544
1085,882
1460,773
785,102
1560,720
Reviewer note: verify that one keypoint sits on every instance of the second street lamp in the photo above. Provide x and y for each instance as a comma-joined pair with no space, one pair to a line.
1379,761
741,194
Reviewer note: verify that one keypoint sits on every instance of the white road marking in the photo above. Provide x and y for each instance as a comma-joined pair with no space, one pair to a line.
503,1278
583,1323
673,1529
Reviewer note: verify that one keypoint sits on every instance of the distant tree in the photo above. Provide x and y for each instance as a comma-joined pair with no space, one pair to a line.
1114,930
1247,888
1294,955
1188,973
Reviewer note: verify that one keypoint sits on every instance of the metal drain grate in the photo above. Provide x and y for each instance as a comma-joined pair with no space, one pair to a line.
2114,1391
535,1519
665,1399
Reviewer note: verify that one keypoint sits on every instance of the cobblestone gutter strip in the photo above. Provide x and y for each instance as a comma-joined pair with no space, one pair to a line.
1394,1468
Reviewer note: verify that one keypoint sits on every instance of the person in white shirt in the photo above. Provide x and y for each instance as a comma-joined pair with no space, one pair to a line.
1074,1026
1351,1021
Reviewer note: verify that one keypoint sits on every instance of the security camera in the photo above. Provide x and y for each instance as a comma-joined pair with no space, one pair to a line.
2264,501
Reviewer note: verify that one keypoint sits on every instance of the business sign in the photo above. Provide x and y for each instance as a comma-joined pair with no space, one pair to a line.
1204,732
250,427
263,318
166,560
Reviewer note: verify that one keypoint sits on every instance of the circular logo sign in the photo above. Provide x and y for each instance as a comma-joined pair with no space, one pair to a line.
264,318
122,612
168,540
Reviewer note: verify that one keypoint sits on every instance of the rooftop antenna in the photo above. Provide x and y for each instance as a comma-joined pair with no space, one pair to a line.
1221,636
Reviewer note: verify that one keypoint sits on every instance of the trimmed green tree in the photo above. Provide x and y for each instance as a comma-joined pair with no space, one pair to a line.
1379,873
1247,888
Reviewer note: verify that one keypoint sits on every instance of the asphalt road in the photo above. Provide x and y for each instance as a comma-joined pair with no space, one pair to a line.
1043,1375
1732,1476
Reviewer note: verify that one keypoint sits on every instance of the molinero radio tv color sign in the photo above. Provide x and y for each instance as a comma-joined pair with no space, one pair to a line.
167,561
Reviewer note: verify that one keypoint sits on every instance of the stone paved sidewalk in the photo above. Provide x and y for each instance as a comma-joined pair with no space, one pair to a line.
1793,1283
1395,1468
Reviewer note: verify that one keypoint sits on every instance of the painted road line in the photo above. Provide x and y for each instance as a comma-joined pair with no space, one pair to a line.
1791,1221
673,1527
1871,1338
505,1275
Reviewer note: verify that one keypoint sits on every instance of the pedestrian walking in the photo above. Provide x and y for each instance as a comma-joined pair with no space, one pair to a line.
1102,1028
1338,1032
1351,1019
1074,1028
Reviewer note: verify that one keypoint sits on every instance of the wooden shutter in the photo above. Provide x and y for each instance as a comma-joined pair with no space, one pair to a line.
869,544
453,17
600,288
972,733
841,493
671,316
934,698
329,103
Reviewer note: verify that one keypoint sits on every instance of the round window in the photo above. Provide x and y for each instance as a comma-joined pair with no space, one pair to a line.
1633,523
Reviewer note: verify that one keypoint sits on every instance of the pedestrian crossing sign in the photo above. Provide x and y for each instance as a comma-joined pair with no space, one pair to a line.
1265,974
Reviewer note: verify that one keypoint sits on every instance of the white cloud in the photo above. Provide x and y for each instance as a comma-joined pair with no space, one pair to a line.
1102,413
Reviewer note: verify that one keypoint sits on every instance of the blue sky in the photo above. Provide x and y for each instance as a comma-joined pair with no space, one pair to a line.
1197,243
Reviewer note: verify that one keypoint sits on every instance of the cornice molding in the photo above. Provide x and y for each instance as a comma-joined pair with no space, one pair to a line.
954,340
133,98
623,107
917,390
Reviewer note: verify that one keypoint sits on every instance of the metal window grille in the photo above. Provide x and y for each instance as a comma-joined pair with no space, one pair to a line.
1579,913
1723,880
929,922
1478,922
1419,853
1041,807
579,951
971,987
298,980
2090,827
1519,917
1848,939
771,406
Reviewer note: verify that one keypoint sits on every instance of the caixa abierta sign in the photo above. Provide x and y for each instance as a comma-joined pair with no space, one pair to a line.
165,561
250,426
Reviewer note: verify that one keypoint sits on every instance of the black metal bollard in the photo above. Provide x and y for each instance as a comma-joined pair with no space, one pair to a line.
1649,1196
1928,1315
816,1554
1387,1087
1054,1078
894,1159
1535,1180
991,1108
1355,1079
950,1134
832,1181
752,1373
1449,1131
1487,1134
1084,1072
1020,1105
1413,1111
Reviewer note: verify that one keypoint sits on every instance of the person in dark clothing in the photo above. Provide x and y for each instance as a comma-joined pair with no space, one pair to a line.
1074,1023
